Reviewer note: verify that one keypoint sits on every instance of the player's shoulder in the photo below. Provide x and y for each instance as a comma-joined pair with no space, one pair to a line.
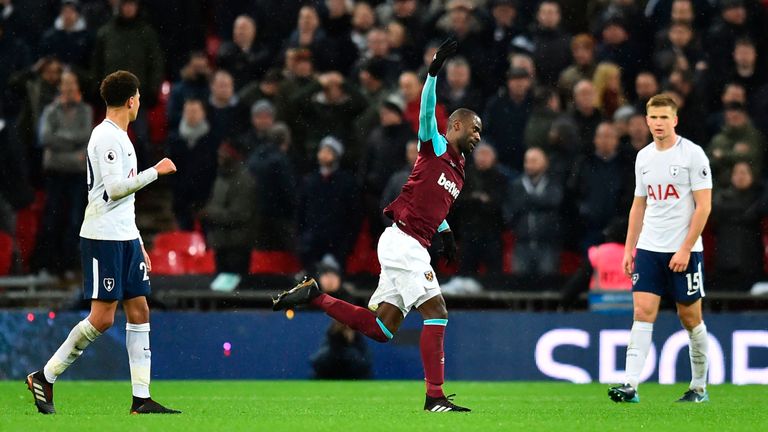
106,132
105,129
106,142
645,152
99,128
427,147
690,145
691,148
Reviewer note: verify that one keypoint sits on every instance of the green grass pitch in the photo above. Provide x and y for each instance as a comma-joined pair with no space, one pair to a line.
380,406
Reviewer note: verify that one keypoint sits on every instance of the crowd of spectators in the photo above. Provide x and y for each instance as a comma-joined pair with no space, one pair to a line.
292,123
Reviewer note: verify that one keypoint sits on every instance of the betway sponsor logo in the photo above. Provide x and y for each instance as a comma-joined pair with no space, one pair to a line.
448,185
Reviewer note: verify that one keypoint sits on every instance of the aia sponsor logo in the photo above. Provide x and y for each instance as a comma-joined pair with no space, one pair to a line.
448,185
662,192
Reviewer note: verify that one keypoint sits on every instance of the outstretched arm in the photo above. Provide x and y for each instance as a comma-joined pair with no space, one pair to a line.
115,183
427,120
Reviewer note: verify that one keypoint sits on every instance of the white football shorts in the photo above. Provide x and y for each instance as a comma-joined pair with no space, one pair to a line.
407,280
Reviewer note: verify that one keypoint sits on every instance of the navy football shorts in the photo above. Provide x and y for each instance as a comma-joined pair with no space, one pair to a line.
113,269
652,274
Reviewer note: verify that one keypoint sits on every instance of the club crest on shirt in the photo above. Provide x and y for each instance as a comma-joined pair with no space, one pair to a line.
109,284
674,170
635,277
110,156
429,276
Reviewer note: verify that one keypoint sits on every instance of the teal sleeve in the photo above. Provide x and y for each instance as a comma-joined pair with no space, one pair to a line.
427,121
443,226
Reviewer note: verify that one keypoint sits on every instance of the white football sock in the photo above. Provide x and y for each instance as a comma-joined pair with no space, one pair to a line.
698,348
637,350
79,338
139,357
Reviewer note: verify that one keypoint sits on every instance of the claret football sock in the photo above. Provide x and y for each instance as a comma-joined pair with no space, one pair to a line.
360,319
433,355
79,338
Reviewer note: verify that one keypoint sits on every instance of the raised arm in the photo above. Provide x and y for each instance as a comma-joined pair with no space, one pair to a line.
427,120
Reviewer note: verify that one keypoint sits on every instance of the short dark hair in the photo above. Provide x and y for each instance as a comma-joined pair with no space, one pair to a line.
118,87
744,41
195,100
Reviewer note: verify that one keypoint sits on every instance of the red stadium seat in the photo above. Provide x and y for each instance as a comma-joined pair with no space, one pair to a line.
166,262
447,269
201,264
189,242
273,262
570,262
175,263
6,253
508,251
363,258
27,225
158,116
181,252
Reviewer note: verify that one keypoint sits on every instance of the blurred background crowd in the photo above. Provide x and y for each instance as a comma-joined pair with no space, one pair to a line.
294,123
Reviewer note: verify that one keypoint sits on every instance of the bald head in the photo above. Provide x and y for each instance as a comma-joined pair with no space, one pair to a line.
244,31
584,96
464,128
463,115
606,140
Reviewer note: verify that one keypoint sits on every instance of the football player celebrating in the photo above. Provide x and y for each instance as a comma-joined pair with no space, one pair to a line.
407,279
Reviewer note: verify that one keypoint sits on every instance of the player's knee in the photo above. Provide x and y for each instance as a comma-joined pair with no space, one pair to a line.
102,323
139,315
689,322
434,310
644,314
441,313
437,313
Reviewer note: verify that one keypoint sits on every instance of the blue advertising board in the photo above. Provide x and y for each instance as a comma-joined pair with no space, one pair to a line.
479,345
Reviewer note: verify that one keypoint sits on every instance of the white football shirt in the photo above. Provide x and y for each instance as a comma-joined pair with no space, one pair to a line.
110,155
667,179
